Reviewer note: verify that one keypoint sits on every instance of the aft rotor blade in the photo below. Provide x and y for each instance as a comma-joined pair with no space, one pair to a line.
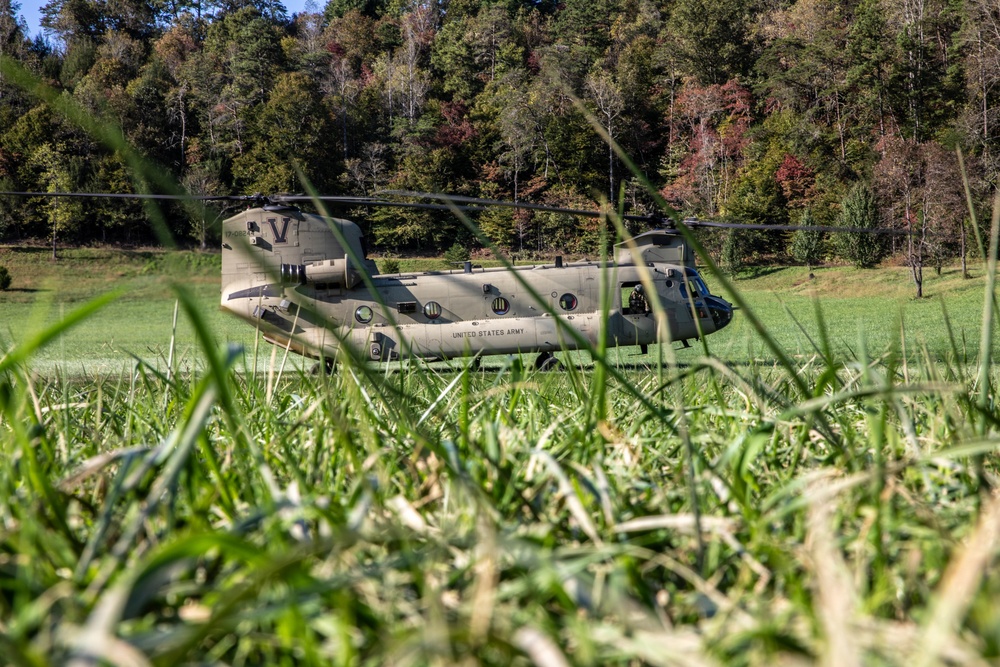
369,201
117,195
468,204
488,203
689,222
347,201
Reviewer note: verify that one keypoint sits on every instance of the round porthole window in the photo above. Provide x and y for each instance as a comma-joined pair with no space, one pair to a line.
363,314
568,302
501,305
432,309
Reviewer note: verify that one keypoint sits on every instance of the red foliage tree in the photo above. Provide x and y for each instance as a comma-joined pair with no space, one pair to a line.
796,180
715,120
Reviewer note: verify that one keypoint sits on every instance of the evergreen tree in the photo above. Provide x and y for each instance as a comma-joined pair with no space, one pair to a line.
290,134
860,210
808,246
870,56
712,39
12,33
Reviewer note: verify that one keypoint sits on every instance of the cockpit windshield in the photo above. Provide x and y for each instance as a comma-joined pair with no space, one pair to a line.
698,286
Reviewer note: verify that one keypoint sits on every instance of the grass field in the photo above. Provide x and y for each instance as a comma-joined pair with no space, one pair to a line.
874,305
742,508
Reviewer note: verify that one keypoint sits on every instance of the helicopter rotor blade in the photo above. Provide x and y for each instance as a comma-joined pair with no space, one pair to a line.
370,201
123,195
498,203
650,218
453,202
792,228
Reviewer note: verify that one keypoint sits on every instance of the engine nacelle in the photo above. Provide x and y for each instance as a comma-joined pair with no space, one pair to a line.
326,271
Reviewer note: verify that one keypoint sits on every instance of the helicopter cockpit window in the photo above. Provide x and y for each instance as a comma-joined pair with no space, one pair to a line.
363,314
501,305
697,284
698,288
432,309
568,302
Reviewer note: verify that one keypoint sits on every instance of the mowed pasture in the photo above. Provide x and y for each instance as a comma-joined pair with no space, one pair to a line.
816,492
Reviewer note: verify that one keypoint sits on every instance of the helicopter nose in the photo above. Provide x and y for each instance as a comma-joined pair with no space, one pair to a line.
721,310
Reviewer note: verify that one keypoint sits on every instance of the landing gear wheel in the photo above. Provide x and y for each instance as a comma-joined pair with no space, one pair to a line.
546,362
324,367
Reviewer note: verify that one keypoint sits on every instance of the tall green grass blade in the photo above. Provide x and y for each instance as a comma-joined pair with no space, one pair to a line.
989,296
23,351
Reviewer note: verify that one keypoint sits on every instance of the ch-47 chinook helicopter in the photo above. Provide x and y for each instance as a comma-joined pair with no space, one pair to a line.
305,282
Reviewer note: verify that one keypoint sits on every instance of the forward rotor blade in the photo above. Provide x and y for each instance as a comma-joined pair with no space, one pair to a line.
793,228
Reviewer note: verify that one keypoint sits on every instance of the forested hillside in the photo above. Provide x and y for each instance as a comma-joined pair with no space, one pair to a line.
764,111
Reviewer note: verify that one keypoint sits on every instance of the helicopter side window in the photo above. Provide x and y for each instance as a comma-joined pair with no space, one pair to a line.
432,310
568,302
501,306
363,314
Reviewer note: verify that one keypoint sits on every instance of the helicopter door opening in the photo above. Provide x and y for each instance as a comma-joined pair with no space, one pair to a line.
637,327
634,300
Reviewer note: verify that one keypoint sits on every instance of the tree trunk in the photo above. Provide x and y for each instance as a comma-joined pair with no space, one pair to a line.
965,267
611,165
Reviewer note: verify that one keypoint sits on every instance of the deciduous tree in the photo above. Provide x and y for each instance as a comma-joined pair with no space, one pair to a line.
58,172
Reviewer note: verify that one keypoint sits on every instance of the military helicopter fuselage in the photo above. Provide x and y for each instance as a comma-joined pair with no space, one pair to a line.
305,282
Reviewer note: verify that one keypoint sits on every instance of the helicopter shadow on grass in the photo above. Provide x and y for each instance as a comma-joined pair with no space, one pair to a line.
496,365
752,272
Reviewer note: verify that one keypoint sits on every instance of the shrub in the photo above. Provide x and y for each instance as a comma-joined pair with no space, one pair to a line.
4,278
742,248
734,258
389,265
456,254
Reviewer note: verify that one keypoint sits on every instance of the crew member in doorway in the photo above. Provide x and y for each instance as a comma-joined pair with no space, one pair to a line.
637,301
